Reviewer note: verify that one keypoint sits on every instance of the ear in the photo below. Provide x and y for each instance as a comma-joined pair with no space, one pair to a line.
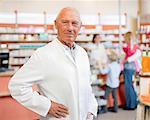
56,24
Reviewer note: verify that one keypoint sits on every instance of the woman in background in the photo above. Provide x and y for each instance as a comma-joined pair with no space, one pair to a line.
98,52
131,65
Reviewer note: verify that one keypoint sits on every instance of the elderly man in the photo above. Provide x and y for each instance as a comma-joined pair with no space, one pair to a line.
61,71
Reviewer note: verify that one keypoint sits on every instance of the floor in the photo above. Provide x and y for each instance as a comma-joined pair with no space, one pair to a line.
121,115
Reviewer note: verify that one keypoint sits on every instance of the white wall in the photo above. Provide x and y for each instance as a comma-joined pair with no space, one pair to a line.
84,6
145,11
145,7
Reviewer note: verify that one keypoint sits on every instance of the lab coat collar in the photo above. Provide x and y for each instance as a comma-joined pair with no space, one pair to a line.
64,48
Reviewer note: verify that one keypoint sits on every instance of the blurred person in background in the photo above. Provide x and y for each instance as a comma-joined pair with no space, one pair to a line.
131,65
112,69
98,52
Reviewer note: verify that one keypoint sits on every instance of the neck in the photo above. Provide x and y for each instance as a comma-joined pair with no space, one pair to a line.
69,44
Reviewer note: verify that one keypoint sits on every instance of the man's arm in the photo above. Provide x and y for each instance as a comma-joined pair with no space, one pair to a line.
21,83
93,105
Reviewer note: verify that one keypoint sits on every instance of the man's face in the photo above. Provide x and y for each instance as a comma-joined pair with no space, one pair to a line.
68,26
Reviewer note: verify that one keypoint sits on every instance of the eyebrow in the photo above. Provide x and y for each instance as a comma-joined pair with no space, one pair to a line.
69,20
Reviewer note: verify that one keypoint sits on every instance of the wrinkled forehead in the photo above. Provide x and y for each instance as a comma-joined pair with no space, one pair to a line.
69,14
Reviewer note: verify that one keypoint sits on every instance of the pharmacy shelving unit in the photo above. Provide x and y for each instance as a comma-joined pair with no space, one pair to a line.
96,86
144,33
21,45
21,48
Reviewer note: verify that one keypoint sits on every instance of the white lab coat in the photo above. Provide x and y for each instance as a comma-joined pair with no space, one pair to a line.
98,54
59,79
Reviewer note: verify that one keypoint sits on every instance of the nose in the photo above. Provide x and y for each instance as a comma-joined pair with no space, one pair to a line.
70,27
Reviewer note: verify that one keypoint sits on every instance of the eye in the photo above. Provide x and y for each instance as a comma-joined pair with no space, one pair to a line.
75,23
64,22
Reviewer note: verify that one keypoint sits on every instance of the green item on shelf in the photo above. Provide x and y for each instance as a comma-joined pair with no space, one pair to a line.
43,36
31,46
146,53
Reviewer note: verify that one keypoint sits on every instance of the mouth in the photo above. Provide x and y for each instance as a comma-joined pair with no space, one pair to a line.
69,35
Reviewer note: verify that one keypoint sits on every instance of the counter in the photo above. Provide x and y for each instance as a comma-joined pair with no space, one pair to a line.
143,110
10,106
4,79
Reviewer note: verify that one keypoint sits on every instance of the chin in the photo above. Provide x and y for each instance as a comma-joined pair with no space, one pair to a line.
70,40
